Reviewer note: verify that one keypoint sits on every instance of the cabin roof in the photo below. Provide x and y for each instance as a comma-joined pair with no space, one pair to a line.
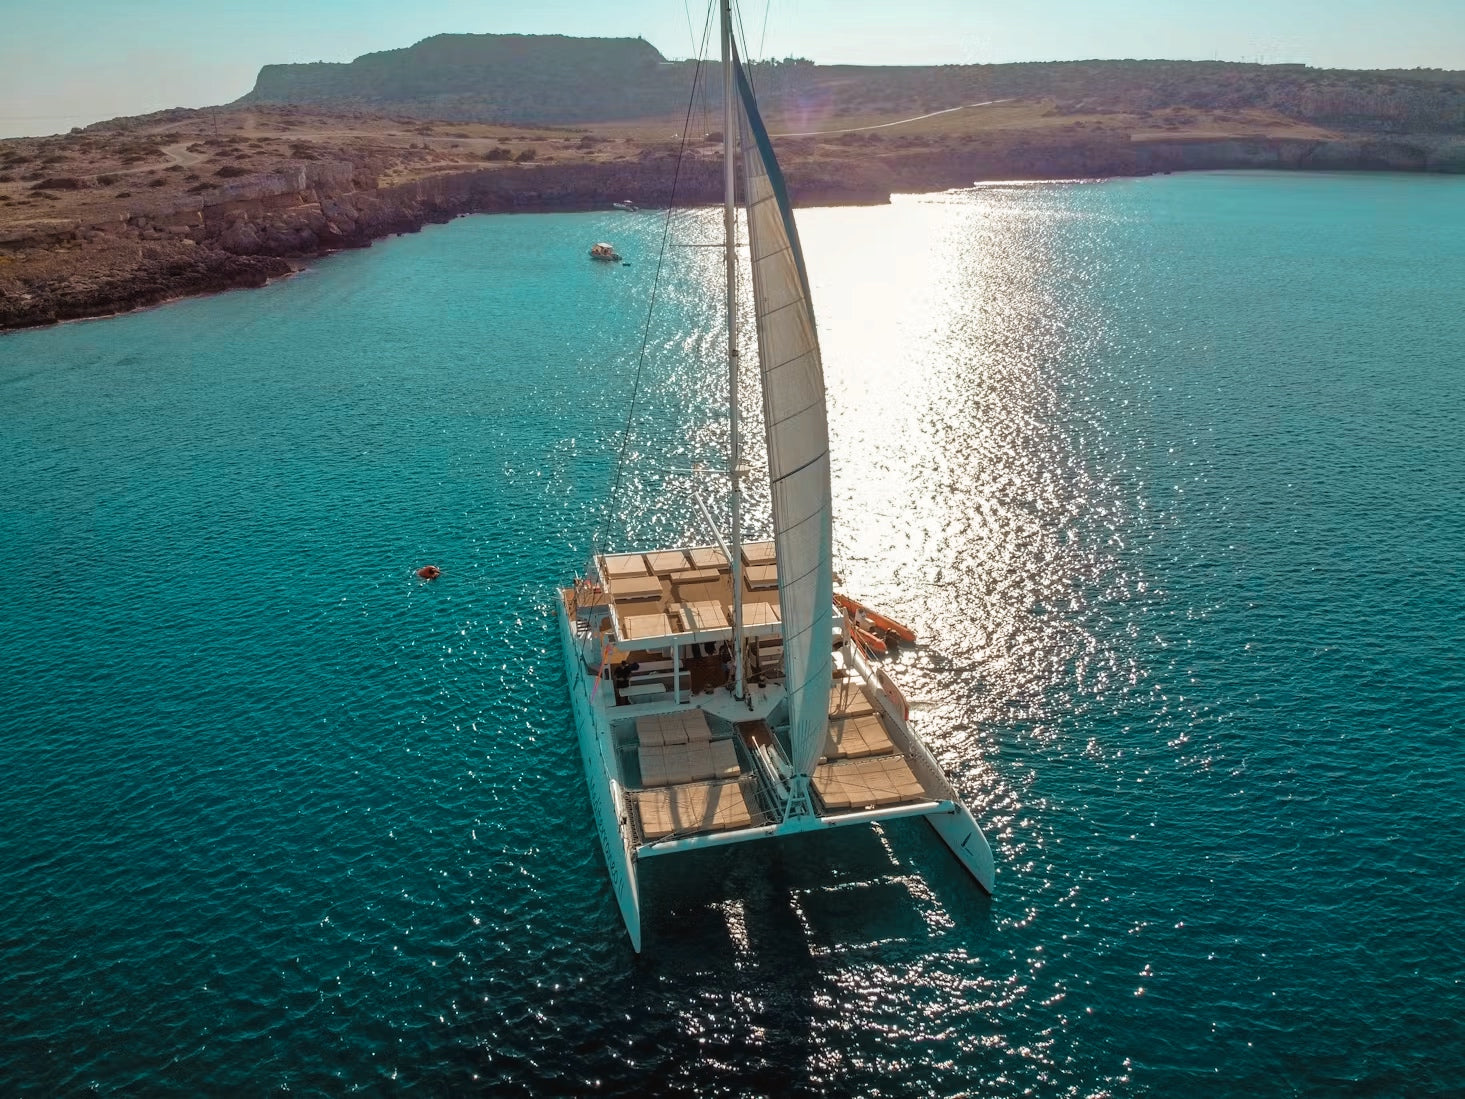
684,595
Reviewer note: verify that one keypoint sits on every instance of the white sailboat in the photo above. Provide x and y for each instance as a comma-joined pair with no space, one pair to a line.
718,693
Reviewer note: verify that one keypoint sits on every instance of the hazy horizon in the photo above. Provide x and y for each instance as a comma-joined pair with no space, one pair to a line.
76,62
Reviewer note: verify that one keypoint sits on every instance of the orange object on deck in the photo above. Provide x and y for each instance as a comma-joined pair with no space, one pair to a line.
875,618
429,572
867,640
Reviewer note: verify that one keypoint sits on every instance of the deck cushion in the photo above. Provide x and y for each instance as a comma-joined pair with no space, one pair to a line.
708,557
709,807
847,698
864,735
867,783
725,759
664,561
625,564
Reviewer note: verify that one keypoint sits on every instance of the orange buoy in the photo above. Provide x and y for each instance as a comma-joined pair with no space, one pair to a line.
429,572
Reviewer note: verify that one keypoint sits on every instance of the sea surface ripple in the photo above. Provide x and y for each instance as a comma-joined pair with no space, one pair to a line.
1167,473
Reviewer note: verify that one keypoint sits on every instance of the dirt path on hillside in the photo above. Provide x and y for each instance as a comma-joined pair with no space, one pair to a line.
897,122
175,154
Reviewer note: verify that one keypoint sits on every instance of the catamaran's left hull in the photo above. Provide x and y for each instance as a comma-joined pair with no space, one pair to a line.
605,796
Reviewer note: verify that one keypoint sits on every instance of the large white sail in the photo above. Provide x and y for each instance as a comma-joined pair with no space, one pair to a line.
798,436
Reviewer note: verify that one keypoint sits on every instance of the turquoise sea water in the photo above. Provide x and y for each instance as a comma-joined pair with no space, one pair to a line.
1166,472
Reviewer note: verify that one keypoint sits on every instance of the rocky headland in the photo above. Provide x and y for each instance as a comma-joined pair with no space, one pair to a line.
133,212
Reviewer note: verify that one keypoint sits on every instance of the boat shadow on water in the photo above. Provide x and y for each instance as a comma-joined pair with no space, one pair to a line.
809,896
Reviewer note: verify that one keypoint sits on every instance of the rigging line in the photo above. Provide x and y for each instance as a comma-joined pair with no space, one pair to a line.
691,30
598,544
763,34
702,98
738,14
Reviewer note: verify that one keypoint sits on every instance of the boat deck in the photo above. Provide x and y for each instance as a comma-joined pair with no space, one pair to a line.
865,764
688,772
692,760
691,772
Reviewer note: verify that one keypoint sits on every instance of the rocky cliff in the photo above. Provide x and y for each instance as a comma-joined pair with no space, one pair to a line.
247,230
488,77
551,78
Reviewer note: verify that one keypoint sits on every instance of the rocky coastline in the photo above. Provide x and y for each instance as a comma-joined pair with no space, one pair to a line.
264,226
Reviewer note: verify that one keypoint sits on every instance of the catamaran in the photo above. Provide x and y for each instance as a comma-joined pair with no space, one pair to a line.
720,695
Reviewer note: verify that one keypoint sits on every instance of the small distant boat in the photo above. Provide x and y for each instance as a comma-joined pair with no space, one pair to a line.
626,205
605,253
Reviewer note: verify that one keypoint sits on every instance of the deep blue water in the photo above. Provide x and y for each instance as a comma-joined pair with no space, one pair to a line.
1167,473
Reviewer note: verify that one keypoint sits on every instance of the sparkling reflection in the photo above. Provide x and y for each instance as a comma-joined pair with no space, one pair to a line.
979,495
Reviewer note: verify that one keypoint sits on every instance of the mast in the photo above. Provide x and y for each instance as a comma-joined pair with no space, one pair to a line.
730,231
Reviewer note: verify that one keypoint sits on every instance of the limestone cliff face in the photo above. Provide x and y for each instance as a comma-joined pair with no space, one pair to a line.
1415,153
554,79
325,205
328,205
151,274
336,205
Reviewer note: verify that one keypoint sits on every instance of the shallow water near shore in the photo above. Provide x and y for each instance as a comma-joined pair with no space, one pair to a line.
1166,473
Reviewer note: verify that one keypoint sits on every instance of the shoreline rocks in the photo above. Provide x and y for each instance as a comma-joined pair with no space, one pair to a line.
151,282
250,230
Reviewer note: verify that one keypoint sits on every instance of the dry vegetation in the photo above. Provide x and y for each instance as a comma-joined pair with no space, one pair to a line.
148,162
157,192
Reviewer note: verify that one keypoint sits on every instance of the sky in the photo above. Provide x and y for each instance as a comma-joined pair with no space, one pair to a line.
67,63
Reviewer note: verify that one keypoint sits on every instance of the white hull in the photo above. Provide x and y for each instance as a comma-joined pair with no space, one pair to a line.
596,756
954,822
959,830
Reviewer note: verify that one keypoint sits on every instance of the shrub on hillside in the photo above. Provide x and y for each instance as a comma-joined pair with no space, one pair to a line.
60,183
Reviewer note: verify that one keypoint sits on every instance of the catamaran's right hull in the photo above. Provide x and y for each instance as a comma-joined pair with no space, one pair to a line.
958,828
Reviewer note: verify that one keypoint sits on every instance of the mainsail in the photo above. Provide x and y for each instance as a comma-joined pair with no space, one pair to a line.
798,436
